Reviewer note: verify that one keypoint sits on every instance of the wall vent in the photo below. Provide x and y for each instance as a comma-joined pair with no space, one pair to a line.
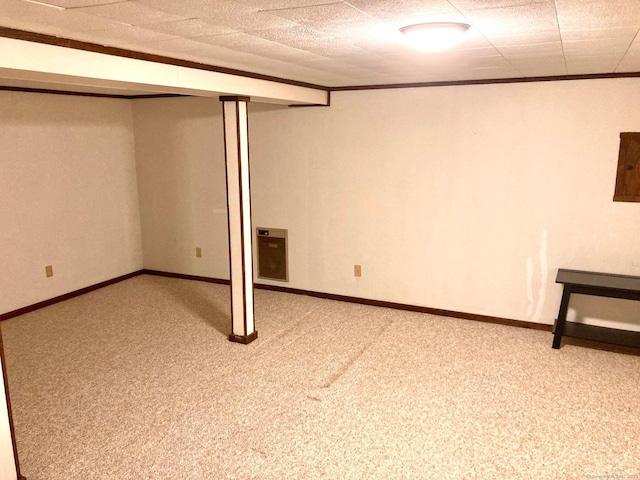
272,254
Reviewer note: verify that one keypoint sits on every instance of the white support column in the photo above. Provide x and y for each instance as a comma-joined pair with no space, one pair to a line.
236,145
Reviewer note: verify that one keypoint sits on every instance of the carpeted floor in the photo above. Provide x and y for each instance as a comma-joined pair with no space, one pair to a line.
138,381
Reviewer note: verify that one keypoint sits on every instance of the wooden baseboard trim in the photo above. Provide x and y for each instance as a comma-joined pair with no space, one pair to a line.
295,291
243,339
409,308
366,301
184,276
67,296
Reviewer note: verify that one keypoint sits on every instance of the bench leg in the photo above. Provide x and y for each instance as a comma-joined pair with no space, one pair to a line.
562,317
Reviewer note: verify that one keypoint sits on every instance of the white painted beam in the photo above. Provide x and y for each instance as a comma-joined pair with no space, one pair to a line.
31,61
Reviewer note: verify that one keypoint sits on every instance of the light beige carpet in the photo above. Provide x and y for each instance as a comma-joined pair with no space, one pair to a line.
138,381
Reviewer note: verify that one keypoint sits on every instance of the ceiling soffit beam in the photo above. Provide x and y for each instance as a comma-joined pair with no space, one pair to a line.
39,59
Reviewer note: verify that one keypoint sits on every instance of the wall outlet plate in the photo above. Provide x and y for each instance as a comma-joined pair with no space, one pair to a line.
48,270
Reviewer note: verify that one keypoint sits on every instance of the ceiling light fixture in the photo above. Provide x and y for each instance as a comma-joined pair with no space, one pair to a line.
433,37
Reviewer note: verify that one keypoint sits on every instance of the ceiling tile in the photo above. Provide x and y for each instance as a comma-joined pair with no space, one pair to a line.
323,15
200,8
625,34
242,42
536,50
188,28
361,31
484,4
21,9
145,48
448,64
544,70
303,38
602,46
365,63
338,50
131,13
55,19
539,60
73,21
282,4
634,49
247,22
630,63
592,65
123,35
483,73
401,9
30,26
506,40
226,57
76,3
597,14
522,19
180,45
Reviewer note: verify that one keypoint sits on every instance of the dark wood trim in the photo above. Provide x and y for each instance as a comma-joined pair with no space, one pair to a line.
88,94
244,339
234,98
67,296
226,179
120,52
156,95
315,104
374,303
63,92
295,291
409,308
184,276
9,411
307,105
490,81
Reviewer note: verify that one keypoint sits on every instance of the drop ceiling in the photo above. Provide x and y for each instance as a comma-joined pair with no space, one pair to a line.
356,42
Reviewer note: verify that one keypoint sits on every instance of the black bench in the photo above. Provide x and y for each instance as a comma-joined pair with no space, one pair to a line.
600,285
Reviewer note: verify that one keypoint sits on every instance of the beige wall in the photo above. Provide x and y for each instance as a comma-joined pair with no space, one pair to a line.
68,195
181,183
462,198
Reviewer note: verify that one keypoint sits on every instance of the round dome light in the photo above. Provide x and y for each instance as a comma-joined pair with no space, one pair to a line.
433,37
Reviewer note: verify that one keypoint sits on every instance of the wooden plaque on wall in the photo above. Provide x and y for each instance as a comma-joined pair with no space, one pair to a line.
628,176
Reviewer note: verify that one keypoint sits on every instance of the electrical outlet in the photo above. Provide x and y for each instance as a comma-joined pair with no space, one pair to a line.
48,270
198,252
357,270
